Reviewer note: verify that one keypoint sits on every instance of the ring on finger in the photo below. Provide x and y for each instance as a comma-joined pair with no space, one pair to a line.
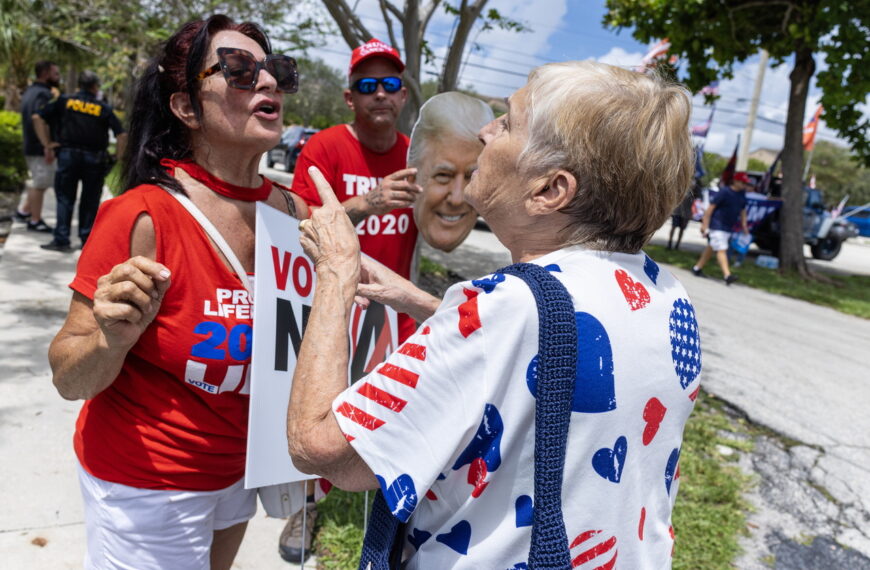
302,225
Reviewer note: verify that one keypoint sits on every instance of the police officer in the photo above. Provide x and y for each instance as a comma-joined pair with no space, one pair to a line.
82,123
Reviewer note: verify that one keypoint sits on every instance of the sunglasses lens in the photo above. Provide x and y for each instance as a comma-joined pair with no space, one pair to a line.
367,85
241,69
283,69
391,84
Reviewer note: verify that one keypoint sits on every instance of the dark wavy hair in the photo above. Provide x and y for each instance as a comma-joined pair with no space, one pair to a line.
155,132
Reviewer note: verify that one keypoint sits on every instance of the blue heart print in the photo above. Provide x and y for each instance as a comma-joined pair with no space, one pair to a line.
458,538
489,283
401,496
594,391
671,469
486,443
609,462
519,566
418,537
685,342
525,510
651,269
553,268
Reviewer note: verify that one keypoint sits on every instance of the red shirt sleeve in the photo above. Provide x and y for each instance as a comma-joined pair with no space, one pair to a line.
314,153
109,242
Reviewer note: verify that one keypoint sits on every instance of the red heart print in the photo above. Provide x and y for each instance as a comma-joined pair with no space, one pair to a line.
653,414
634,291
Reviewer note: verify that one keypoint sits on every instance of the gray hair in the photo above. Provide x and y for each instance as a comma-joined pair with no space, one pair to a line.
623,135
450,114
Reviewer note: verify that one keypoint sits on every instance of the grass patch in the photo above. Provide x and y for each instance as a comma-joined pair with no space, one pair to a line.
710,513
708,518
339,534
429,267
847,294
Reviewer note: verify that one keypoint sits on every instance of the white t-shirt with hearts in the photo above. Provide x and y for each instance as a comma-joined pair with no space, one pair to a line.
447,423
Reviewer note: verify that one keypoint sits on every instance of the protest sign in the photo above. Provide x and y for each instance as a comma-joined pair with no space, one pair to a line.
283,292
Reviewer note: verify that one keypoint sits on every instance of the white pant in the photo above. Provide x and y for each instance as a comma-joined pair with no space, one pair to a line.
143,529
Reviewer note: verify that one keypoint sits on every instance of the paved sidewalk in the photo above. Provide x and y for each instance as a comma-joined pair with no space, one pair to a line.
41,522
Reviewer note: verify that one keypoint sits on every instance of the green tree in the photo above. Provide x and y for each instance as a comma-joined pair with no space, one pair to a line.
711,35
413,20
319,102
839,174
116,38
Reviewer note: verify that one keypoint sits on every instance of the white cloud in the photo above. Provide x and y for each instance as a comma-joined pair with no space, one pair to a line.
621,58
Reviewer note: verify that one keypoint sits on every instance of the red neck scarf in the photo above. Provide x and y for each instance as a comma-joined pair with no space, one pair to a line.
217,185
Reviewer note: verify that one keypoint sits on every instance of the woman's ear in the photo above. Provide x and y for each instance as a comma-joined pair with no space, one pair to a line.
553,193
181,107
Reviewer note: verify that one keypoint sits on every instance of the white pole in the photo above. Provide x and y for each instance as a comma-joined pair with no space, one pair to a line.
743,155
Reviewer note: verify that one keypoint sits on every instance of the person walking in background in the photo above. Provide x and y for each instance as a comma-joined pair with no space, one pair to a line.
39,158
365,164
726,207
681,216
82,123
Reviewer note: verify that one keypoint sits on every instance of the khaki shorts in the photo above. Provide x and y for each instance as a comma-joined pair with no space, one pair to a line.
41,174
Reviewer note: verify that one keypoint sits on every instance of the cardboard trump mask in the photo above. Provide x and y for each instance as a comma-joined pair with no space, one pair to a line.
444,149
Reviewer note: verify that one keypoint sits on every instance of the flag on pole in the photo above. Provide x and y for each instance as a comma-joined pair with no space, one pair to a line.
699,162
810,130
655,53
764,185
702,129
835,213
712,89
727,175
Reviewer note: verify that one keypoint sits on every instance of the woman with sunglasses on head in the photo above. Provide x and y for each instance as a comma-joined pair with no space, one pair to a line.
158,336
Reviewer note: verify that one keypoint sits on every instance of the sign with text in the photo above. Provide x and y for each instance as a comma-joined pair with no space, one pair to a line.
283,292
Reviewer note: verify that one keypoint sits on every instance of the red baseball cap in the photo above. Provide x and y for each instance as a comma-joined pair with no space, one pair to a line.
374,48
742,177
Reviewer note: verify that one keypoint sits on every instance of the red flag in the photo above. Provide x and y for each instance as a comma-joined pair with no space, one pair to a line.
810,130
727,175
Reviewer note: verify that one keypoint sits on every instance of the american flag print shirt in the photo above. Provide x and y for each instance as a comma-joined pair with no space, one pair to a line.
447,422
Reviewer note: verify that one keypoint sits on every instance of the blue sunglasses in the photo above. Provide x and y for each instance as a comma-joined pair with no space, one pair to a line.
368,85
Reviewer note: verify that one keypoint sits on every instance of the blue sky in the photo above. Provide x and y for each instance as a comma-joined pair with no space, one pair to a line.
571,29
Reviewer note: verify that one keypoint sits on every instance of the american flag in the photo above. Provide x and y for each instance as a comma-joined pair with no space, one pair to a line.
712,89
702,129
655,53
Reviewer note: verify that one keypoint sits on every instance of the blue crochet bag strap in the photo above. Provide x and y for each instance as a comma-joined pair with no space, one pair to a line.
557,365
557,360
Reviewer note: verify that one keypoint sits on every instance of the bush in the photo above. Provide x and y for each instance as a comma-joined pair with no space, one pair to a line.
13,169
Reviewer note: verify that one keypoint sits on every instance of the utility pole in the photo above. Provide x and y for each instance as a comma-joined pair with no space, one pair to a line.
743,155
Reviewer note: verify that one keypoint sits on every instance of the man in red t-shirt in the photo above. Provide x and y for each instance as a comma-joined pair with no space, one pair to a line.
364,162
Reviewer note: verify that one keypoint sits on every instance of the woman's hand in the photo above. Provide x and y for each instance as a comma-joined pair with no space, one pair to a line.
128,298
383,285
328,236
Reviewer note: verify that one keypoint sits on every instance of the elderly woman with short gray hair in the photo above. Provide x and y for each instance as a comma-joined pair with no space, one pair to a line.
588,162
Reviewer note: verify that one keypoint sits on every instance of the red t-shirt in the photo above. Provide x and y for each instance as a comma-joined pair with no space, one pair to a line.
353,170
176,417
